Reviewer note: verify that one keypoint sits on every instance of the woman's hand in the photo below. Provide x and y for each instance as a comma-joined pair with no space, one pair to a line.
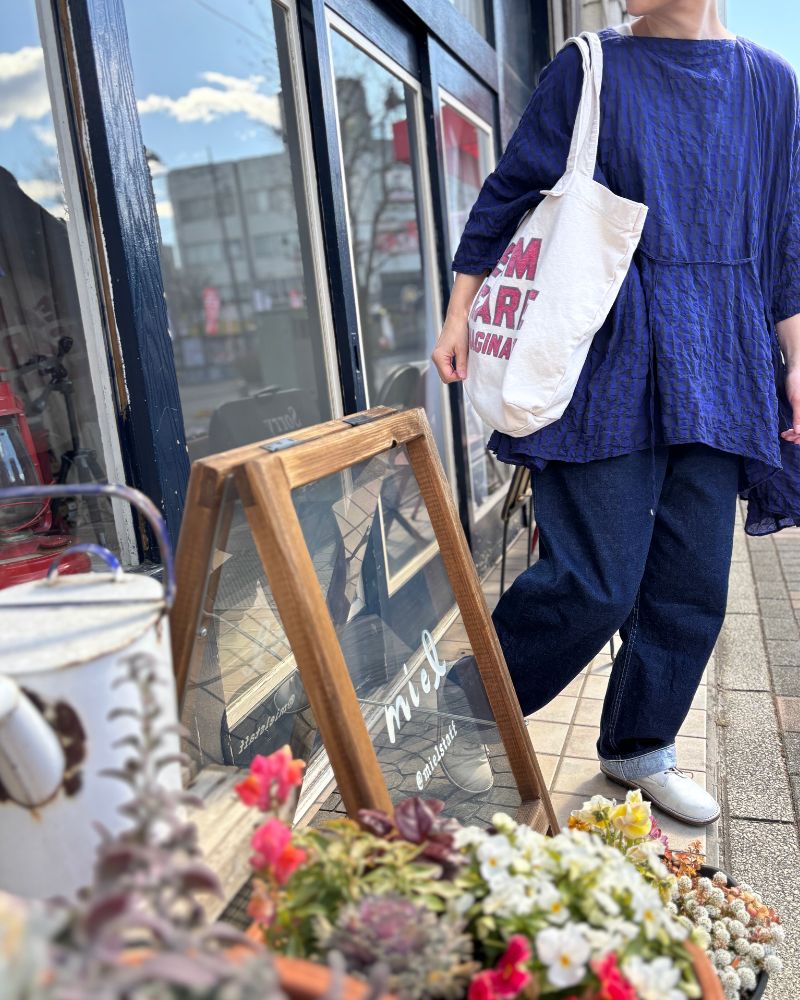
793,395
452,347
788,331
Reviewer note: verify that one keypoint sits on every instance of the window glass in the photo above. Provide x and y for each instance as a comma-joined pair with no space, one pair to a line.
50,427
468,158
474,11
399,318
217,105
409,656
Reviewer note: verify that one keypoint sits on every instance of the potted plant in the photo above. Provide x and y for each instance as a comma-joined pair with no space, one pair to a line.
491,914
743,933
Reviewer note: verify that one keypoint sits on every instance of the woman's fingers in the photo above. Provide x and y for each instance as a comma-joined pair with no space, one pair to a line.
442,357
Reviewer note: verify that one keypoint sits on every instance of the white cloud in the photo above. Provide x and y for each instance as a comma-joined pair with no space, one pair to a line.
46,135
230,95
41,189
164,209
23,86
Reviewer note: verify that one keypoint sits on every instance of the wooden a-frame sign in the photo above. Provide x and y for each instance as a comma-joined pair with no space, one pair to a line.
265,476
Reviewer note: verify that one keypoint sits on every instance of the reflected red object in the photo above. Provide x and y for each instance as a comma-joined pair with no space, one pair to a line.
26,545
402,150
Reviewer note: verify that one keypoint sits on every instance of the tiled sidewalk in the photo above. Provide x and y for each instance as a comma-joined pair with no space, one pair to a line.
758,718
564,732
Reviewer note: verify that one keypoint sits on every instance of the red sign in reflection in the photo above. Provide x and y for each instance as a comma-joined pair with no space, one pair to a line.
211,311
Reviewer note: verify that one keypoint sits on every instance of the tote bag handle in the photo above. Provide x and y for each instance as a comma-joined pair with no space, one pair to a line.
586,131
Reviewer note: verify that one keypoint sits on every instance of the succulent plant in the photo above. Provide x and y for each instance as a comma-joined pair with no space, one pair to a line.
426,958
419,821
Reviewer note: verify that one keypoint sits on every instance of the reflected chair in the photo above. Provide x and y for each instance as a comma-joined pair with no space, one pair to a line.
518,497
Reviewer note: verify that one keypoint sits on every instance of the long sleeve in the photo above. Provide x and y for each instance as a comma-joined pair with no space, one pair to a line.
534,159
786,283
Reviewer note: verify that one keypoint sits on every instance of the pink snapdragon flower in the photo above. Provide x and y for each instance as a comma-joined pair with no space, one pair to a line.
271,780
274,851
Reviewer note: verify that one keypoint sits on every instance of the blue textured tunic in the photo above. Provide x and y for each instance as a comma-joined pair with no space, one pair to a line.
707,134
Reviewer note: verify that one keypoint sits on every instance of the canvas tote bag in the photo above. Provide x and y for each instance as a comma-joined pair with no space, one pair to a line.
533,319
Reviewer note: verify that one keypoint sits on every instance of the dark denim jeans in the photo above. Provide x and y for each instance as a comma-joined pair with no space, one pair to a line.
607,563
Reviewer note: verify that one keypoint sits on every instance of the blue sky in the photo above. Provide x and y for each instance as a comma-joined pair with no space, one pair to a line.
774,23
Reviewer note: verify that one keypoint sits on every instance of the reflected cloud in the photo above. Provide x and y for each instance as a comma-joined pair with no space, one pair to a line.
230,95
23,85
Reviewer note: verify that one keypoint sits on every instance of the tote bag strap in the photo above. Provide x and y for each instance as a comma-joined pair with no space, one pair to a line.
586,131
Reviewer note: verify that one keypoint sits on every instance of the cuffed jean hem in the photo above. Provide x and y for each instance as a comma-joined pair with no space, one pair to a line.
642,765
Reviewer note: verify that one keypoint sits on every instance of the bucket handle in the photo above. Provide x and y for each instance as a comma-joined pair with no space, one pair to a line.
143,504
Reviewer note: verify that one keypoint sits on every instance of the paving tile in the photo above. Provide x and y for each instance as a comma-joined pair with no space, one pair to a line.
602,668
691,753
780,628
786,680
700,699
766,856
582,742
584,777
783,652
789,713
563,804
548,763
771,588
574,688
680,835
791,742
776,609
695,723
595,686
548,737
560,709
753,758
740,655
589,711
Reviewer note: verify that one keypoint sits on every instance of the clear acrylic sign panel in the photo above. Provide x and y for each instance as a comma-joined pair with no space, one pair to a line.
406,651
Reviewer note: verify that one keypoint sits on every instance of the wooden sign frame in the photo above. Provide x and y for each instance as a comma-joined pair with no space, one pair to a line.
265,475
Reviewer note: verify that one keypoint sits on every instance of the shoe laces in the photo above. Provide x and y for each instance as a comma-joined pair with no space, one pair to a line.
680,772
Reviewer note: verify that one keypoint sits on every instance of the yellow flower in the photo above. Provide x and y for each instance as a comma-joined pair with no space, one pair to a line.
596,813
632,817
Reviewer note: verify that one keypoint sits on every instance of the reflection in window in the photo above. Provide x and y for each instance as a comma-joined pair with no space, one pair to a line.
468,158
474,11
221,131
49,425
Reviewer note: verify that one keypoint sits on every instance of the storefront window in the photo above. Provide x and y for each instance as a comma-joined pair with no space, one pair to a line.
221,114
474,11
378,111
468,158
51,367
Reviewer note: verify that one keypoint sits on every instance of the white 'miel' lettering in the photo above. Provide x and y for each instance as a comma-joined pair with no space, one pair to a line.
440,669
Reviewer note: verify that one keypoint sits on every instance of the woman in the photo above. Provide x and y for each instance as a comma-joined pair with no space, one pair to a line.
684,400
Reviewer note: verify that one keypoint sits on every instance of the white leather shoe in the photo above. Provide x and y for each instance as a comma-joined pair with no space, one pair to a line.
672,791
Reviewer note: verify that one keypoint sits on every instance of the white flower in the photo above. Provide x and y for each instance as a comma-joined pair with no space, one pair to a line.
494,856
648,910
549,899
656,980
649,853
469,836
565,952
503,823
509,896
